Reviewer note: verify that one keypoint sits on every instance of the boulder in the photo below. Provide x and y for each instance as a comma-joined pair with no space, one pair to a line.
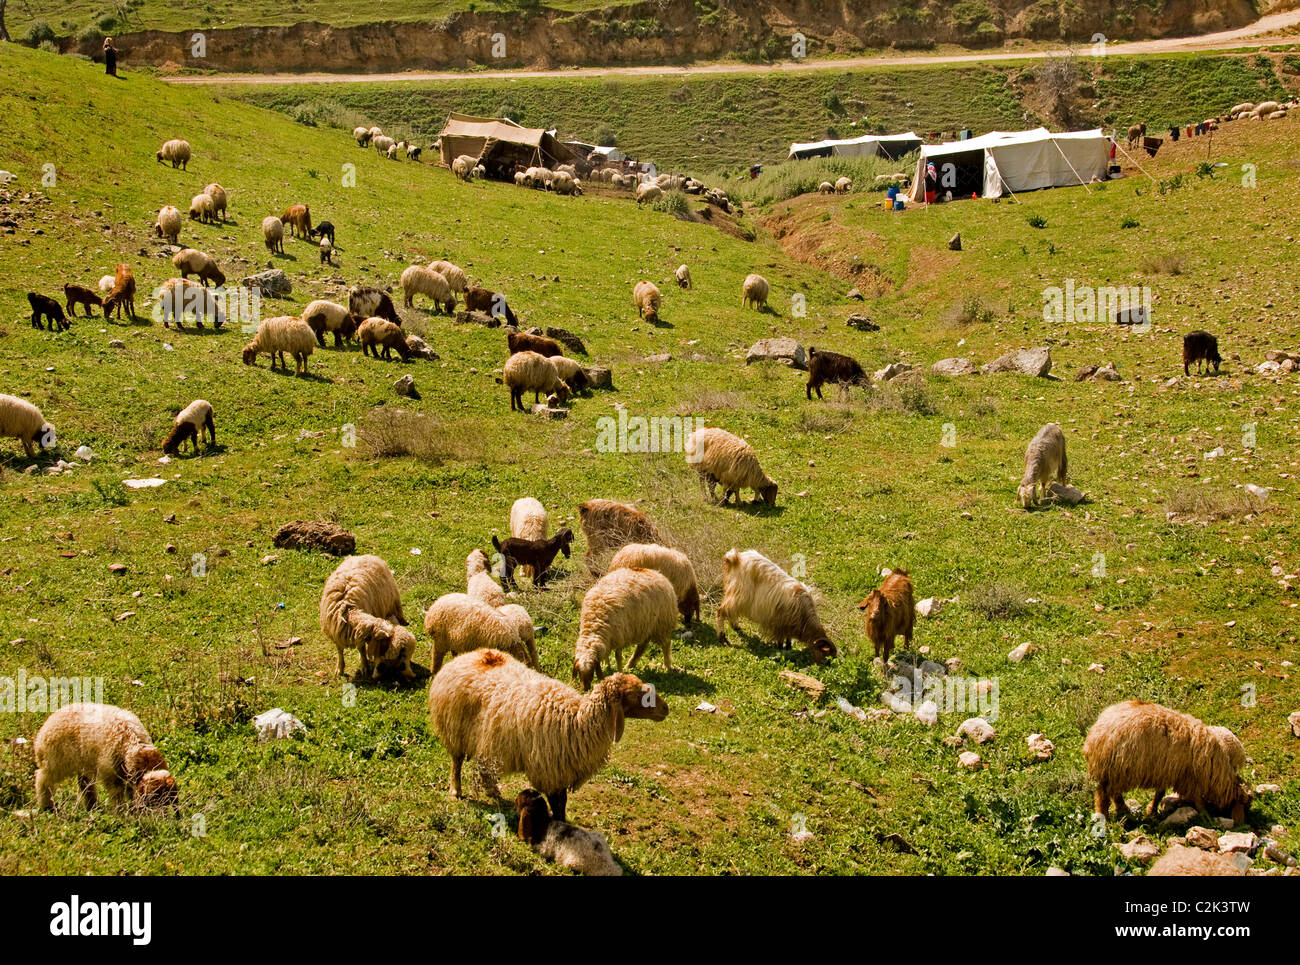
272,284
1181,817
420,349
1294,720
954,243
1268,368
1040,747
1106,373
1064,493
600,378
1206,839
855,295
477,318
405,387
1242,842
1026,361
1140,848
784,350
567,339
891,371
955,367
550,412
977,729
861,323
811,686
969,760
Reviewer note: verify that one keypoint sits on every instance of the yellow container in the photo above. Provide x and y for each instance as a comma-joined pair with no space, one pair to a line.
887,203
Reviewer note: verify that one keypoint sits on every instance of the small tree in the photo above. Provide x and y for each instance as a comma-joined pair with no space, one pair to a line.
4,31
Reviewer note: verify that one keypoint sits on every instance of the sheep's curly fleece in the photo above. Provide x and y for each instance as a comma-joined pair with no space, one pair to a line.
624,609
718,455
458,623
672,563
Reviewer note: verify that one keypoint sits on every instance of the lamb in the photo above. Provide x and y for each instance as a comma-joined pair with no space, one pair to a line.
413,154
1045,460
463,167
418,280
280,334
43,306
528,520
169,223
832,367
754,292
21,420
646,298
495,304
489,707
890,612
323,230
573,374
683,276
1136,744
75,295
190,261
370,302
536,554
648,192
625,608
273,234
106,281
608,526
361,607
326,252
585,852
177,297
176,151
825,188
673,564
756,589
530,372
376,333
458,623
523,342
720,457
324,316
454,274
479,583
218,195
843,185
375,132
122,294
101,744
1202,348
201,209
297,218
362,136
391,153
191,423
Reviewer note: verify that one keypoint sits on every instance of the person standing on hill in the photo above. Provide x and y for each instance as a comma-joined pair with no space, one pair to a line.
931,184
110,57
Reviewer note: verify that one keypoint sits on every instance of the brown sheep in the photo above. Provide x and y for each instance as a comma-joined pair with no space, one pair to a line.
377,333
495,304
523,342
297,218
122,294
609,526
890,611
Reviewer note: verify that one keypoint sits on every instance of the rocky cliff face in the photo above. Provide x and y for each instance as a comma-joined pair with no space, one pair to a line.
672,31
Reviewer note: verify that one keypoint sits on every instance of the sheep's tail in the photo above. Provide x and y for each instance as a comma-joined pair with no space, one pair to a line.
1064,473
496,544
207,420
510,316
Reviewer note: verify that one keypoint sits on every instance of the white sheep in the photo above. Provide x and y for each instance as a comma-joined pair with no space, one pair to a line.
648,192
843,185
756,589
479,583
178,297
361,135
374,133
280,334
1045,460
646,298
672,563
101,744
490,707
218,195
754,291
106,282
418,280
176,151
167,226
566,184
825,188
361,607
202,209
382,143
624,609
520,621
273,234
720,457
683,276
458,623
571,371
24,422
454,274
463,167
531,372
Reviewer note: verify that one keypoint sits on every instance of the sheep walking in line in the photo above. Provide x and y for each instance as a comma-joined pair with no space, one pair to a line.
1136,744
609,526
586,852
674,564
101,744
625,609
489,707
191,423
361,608
890,612
362,136
458,623
278,335
175,151
721,458
1045,460
21,420
756,589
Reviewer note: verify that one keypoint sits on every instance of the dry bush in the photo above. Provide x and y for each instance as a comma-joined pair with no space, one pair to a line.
903,395
387,433
999,601
708,400
1210,504
834,417
1163,263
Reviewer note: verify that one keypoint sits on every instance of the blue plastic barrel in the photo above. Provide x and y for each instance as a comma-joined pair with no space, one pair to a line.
899,204
891,193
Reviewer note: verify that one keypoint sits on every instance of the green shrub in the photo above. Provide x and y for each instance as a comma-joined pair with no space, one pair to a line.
1130,222
39,33
674,203
1036,221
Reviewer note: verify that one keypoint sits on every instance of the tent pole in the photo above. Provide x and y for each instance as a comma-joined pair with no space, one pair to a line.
1135,164
1072,168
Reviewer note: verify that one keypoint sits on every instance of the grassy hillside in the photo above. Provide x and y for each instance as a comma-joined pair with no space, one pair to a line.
1186,613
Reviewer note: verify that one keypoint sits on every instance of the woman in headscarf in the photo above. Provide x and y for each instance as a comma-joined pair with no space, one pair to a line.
931,183
110,57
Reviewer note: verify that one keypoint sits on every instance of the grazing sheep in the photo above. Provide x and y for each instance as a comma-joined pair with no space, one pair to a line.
646,298
625,608
454,274
190,261
169,224
825,188
1203,349
176,151
458,623
1136,133
21,420
1045,460
375,132
536,554
368,302
362,136
101,744
381,143
490,707
1136,744
202,209
418,280
683,276
523,342
528,520
585,852
122,294
191,423
608,526
574,375
218,195
495,304
177,297
674,564
106,281
280,334
756,589
832,367
74,295
324,316
890,612
720,457
843,185
463,167
565,184
273,234
413,154
361,607
648,192
376,333
754,292
297,218
530,372
323,230
45,307
479,583
391,153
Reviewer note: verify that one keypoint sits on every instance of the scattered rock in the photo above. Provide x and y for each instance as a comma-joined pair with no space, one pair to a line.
117,568
1040,747
928,713
143,483
891,371
325,536
277,724
550,412
1140,848
931,606
272,284
1022,651
421,349
813,687
784,350
1181,817
1206,839
1106,373
801,837
955,367
861,323
600,378
477,318
969,760
567,339
1294,721
405,387
1133,316
656,359
977,729
1065,493
1240,842
1181,861
1055,872
1027,361
855,295
954,243
117,343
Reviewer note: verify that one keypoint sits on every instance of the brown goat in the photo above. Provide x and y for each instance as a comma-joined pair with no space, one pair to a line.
523,342
537,553
297,218
123,293
81,295
890,612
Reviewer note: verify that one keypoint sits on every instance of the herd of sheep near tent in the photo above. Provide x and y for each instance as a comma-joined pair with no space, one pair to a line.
488,701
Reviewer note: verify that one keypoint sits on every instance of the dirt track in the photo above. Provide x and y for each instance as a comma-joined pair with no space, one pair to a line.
1280,23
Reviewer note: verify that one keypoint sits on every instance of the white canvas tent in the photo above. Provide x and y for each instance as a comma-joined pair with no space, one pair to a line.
994,163
891,146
